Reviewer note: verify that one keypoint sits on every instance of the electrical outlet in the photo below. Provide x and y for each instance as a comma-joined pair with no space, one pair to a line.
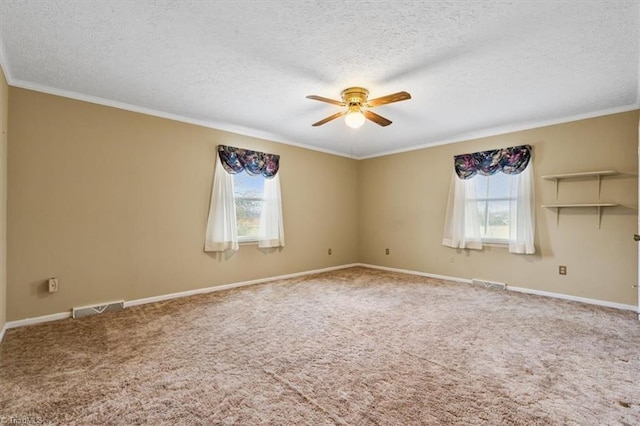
562,270
53,285
329,252
386,251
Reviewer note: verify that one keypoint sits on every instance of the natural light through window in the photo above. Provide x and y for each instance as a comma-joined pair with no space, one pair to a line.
246,205
494,198
248,194
491,200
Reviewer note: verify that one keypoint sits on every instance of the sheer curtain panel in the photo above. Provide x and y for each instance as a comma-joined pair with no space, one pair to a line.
521,226
222,231
271,228
462,223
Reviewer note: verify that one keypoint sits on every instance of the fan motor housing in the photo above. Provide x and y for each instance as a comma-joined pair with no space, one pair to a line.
355,95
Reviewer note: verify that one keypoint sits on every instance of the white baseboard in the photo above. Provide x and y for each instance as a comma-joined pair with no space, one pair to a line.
574,298
421,274
170,296
37,320
153,299
163,297
588,301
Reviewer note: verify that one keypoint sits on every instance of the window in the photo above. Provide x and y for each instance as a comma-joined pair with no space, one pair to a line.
494,202
248,195
245,204
491,200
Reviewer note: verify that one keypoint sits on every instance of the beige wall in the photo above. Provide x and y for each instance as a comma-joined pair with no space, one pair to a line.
4,125
115,203
402,202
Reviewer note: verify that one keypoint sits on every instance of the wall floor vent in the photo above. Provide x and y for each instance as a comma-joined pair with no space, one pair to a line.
489,284
85,311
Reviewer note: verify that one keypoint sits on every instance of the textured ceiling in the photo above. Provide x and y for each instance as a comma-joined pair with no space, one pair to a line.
473,68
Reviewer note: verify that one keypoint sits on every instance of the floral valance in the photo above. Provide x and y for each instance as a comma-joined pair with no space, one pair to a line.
511,161
235,160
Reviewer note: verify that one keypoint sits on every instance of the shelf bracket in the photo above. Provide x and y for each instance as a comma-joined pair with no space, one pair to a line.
599,215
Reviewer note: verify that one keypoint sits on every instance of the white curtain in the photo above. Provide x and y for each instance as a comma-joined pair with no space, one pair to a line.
222,232
271,229
462,224
522,218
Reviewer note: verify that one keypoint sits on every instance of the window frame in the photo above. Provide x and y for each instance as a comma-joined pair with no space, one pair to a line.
487,200
247,239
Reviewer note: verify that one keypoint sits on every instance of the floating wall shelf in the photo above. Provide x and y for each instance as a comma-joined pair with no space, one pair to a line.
598,206
598,174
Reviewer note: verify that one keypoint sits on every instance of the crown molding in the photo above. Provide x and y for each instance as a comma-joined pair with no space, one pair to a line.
5,65
512,128
246,131
241,130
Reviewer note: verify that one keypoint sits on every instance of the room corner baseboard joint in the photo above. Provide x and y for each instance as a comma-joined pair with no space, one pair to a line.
421,274
164,297
585,300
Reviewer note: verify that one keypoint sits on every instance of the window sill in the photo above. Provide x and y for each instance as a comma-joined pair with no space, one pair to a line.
248,242
495,243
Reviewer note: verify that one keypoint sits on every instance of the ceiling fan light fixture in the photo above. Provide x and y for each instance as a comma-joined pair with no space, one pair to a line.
354,118
359,107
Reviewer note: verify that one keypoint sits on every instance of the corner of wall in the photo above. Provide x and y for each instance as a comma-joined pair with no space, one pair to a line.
358,229
392,216
4,111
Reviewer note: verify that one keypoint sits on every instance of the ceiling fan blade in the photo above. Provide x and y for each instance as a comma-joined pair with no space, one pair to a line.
327,100
395,97
378,119
328,119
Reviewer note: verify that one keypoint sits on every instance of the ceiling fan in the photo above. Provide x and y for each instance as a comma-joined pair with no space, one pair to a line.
358,107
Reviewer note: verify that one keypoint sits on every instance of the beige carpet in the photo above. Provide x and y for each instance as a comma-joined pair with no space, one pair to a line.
357,347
